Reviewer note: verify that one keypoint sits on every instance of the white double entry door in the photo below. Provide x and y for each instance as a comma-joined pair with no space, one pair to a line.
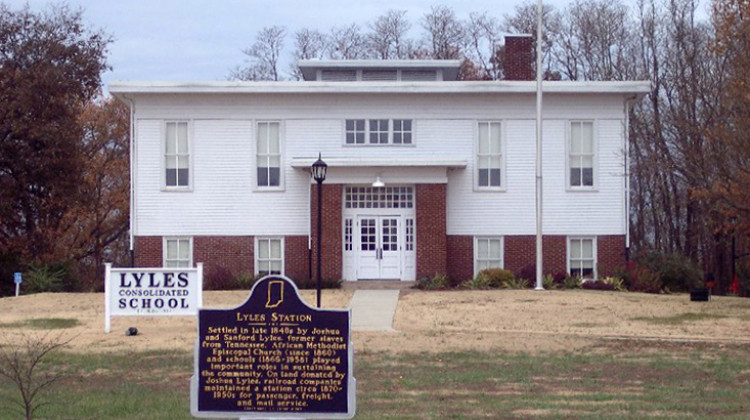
382,247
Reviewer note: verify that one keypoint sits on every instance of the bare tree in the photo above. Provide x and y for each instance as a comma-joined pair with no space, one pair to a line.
308,43
264,56
388,37
445,33
347,43
596,41
483,42
22,364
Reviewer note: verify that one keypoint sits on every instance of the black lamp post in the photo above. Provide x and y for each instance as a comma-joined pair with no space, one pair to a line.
318,172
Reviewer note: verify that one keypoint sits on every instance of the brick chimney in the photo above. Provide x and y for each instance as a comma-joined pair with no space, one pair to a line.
519,57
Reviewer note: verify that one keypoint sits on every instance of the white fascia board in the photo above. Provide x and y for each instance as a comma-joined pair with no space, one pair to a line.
356,162
638,88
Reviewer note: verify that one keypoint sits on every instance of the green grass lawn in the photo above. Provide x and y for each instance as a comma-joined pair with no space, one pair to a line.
619,379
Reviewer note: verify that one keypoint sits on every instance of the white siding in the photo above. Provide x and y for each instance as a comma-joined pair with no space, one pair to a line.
224,200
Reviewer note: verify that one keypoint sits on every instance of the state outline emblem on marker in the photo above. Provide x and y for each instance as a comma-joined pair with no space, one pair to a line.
275,299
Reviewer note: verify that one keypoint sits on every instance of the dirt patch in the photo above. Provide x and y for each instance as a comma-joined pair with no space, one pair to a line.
514,321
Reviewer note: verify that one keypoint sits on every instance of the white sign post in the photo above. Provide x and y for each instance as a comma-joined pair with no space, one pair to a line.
151,292
17,278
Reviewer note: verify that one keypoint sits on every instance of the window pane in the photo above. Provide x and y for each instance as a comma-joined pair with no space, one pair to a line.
575,177
575,249
360,139
182,138
407,138
171,177
184,249
263,249
587,248
397,139
274,177
182,162
575,138
170,138
494,177
360,125
349,138
263,139
495,138
484,178
587,137
273,138
262,177
349,125
275,267
182,177
484,141
263,267
171,250
587,177
276,248
482,249
494,249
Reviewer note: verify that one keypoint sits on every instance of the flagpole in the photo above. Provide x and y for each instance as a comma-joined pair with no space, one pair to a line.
539,259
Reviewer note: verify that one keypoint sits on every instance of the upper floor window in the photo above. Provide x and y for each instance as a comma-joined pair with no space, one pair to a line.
581,154
269,154
582,257
489,155
177,154
379,132
178,252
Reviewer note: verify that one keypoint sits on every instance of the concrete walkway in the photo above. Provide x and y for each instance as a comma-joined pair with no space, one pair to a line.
373,310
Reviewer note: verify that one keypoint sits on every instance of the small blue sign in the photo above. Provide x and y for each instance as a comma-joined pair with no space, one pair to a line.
17,277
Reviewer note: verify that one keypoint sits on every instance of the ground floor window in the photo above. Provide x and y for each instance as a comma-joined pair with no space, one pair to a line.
178,252
488,253
582,257
269,256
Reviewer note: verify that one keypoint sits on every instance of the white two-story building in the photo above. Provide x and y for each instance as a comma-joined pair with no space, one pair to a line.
426,175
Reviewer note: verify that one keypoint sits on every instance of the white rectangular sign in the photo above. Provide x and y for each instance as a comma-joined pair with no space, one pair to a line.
152,292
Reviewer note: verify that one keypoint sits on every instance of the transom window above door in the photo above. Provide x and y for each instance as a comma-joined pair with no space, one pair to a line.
379,132
379,198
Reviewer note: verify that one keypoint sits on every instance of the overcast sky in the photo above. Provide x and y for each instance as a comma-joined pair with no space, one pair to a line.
171,40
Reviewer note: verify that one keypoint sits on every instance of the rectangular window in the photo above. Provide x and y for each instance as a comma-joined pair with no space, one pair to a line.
410,234
269,154
401,131
379,132
581,157
348,230
178,252
269,256
582,257
177,154
489,155
488,253
355,131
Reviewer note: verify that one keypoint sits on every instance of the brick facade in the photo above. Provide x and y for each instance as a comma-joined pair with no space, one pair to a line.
555,251
610,256
234,253
296,255
460,258
332,240
520,251
148,252
431,230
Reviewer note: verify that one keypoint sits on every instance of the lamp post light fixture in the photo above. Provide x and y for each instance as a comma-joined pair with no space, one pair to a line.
318,173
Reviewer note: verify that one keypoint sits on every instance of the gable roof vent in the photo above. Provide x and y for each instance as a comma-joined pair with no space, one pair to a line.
338,75
379,75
